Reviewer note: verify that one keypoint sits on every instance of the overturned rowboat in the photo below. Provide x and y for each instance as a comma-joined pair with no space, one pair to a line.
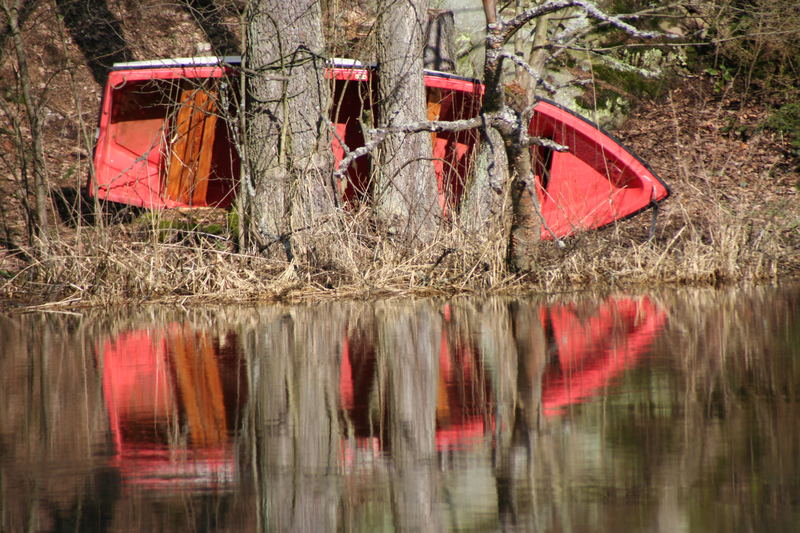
163,142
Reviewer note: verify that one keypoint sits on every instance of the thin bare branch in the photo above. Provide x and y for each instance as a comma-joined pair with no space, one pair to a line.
351,156
531,72
544,143
513,25
378,135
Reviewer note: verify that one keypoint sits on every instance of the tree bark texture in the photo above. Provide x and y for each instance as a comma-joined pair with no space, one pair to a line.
522,231
405,193
485,209
440,50
289,164
39,218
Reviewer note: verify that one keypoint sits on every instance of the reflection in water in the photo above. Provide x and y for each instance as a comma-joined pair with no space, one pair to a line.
172,397
567,352
587,352
411,416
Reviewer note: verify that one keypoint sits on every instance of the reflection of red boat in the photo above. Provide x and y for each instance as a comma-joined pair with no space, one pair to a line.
463,403
160,144
170,400
173,395
588,351
592,351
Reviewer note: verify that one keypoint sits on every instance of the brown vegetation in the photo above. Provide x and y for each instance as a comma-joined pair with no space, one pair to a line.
734,215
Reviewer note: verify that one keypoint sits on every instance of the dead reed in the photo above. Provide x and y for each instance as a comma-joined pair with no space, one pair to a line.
734,216
140,262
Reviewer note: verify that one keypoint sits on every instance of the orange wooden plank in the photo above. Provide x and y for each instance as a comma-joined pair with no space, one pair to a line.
190,160
197,375
205,149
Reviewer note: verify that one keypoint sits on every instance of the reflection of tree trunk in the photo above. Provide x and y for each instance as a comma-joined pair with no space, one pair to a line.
513,339
295,357
53,419
315,359
408,339
531,344
272,446
531,353
496,338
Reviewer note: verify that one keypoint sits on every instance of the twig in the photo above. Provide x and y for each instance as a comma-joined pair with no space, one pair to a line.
532,73
380,134
508,28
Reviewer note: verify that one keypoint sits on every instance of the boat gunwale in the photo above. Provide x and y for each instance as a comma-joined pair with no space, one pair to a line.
340,69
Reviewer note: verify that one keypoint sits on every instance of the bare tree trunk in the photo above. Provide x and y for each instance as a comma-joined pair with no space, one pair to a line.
532,50
521,231
525,227
536,57
40,218
287,139
406,195
440,50
485,210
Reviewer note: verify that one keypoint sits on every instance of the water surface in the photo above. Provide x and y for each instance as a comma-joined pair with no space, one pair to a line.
675,411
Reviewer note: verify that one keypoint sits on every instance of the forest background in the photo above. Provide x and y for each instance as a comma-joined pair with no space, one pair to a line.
709,100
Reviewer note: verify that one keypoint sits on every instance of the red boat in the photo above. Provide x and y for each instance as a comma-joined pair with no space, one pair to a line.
162,143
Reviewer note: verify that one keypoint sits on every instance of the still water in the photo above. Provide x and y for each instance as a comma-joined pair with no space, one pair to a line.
676,411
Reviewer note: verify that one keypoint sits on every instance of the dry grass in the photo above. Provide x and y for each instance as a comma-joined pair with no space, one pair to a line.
131,263
734,216
142,261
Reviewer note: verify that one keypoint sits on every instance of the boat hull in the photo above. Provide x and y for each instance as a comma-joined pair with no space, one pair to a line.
162,144
595,183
